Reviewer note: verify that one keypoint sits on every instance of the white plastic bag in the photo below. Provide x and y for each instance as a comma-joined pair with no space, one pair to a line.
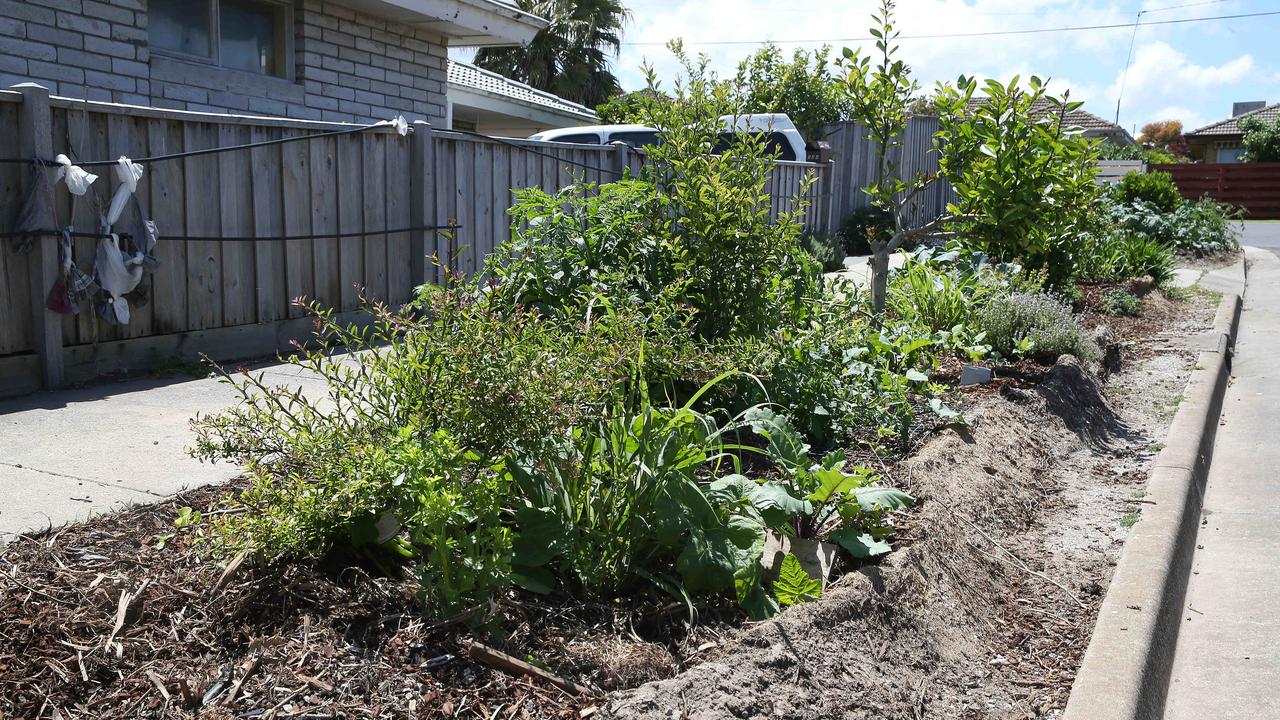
118,274
128,173
78,180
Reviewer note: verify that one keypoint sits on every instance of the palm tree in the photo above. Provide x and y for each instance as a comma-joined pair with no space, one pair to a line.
570,57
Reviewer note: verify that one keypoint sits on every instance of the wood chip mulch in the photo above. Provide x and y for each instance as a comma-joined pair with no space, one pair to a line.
127,617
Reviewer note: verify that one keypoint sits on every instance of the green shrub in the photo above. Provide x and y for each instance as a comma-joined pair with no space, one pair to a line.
1023,178
1151,156
1202,227
859,227
841,380
745,271
1135,256
1261,140
1034,325
827,250
1120,302
581,243
627,497
1155,188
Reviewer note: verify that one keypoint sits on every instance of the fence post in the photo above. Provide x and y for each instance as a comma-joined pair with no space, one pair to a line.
621,158
422,207
35,132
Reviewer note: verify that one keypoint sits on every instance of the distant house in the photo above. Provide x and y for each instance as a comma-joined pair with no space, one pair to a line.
486,102
1223,141
347,60
1094,126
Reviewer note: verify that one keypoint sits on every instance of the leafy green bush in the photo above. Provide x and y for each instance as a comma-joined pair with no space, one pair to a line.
842,380
827,250
803,88
745,271
862,224
1202,227
1023,178
1261,140
625,498
1034,325
1155,188
1120,302
583,242
1151,156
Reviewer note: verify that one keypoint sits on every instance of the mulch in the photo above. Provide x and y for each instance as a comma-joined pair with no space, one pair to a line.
127,616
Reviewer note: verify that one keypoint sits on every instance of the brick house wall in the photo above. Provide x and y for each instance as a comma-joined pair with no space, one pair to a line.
348,66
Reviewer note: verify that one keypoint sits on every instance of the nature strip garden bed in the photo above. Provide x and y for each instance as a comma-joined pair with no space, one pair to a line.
983,611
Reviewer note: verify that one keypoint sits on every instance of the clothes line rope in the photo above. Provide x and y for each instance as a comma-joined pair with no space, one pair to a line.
208,151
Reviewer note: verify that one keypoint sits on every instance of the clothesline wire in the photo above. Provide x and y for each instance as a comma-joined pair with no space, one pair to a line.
239,238
203,151
298,138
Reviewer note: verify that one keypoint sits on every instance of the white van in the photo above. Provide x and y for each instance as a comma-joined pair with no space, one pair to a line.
782,136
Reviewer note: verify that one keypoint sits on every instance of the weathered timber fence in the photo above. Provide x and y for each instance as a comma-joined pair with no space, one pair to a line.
1253,187
1113,171
853,158
231,299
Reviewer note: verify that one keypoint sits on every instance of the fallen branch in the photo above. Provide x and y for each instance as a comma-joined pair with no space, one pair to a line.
494,658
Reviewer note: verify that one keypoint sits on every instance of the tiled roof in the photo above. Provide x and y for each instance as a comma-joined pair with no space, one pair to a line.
469,76
1231,126
1079,117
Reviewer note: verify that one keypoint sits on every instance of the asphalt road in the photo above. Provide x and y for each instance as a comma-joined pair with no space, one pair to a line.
1261,234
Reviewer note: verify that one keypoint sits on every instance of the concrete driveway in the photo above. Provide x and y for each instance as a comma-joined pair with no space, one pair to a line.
70,454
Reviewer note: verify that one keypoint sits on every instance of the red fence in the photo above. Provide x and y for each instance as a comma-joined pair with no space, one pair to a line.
1252,186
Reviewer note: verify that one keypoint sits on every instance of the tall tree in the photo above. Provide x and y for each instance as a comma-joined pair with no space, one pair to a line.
570,58
1164,135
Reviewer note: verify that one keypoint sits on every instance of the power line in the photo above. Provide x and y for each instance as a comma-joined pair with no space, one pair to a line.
1124,76
990,33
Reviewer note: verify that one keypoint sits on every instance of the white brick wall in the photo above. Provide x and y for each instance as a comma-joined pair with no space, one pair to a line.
348,66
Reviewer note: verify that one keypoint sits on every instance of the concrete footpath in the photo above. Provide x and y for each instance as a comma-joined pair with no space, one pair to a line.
1227,660
70,454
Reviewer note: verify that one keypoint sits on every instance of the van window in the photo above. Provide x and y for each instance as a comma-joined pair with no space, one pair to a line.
585,138
636,138
775,143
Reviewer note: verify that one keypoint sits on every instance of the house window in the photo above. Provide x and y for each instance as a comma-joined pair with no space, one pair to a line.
1229,154
249,35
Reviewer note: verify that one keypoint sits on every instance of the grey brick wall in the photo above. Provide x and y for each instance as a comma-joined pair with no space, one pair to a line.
348,66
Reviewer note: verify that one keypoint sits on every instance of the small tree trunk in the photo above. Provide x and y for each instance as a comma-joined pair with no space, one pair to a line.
879,276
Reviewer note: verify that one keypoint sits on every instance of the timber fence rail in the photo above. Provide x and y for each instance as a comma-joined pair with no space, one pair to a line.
1253,187
254,212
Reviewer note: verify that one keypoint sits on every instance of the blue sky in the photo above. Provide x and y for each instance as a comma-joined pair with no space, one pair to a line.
1191,72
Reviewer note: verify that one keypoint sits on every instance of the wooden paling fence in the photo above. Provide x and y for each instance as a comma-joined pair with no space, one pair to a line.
228,294
1254,187
853,167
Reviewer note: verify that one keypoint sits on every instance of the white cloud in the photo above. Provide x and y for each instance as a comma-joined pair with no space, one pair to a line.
1165,79
656,21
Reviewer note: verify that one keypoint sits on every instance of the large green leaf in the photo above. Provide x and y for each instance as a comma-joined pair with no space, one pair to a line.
831,481
543,534
713,556
786,446
860,544
870,499
777,504
534,579
751,595
794,584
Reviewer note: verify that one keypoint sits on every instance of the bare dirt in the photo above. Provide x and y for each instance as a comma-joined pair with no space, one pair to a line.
983,611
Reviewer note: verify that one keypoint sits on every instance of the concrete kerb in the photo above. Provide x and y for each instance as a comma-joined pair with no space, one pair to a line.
1126,668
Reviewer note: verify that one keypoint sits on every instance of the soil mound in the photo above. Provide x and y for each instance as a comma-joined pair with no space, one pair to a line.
922,630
